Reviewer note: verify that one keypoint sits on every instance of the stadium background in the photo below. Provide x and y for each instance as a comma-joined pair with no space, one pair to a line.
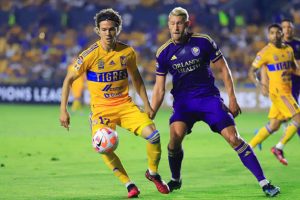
40,38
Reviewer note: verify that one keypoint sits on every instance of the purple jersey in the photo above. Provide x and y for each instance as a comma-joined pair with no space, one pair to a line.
196,98
295,44
189,65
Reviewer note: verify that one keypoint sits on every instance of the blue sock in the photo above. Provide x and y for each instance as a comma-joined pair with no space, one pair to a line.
298,132
175,159
250,161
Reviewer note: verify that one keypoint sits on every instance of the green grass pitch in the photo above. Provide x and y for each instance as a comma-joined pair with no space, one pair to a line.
41,160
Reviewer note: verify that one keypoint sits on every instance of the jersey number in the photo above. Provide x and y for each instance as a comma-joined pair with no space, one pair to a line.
104,120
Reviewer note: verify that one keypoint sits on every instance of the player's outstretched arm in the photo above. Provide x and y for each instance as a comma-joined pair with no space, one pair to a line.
64,115
263,83
234,107
158,93
139,86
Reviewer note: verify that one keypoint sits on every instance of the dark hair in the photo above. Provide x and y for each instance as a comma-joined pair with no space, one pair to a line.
287,20
108,14
274,26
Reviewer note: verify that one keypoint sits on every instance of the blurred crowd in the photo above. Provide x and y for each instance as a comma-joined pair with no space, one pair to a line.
39,39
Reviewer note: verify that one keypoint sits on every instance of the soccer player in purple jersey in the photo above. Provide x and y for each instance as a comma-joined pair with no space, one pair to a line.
288,38
187,57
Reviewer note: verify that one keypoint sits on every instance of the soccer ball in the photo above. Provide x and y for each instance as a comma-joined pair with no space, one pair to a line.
105,140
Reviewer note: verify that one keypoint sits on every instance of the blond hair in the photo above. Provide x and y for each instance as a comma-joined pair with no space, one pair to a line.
179,11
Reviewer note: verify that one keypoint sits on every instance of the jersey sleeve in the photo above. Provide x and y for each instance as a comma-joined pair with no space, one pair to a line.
213,50
131,62
81,64
161,66
259,60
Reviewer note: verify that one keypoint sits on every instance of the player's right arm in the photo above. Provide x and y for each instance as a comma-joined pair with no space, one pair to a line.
158,93
67,84
260,63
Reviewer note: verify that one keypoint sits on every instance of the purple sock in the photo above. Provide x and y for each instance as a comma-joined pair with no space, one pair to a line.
175,159
298,132
250,161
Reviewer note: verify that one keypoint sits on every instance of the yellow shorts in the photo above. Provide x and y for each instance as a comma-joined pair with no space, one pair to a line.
283,107
127,115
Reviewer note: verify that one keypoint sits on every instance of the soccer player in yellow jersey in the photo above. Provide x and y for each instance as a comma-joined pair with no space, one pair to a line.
107,64
278,59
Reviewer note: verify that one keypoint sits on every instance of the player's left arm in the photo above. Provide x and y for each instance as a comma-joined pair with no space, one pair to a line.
140,88
222,66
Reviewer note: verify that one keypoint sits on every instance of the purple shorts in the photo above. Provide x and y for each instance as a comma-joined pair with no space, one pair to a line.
209,109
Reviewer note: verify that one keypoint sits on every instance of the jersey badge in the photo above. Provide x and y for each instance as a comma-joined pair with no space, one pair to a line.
195,51
123,61
275,57
100,64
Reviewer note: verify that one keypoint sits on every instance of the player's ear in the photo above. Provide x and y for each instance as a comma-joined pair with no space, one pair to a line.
97,30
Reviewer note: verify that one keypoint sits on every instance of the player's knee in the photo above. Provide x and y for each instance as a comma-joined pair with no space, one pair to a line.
234,140
154,137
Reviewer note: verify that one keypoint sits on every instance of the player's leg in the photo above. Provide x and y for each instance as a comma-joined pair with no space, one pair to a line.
249,159
111,160
296,91
151,134
270,128
265,132
290,109
178,130
220,121
290,131
145,128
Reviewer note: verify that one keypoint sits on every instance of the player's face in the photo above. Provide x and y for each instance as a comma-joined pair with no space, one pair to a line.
275,35
177,27
108,32
288,29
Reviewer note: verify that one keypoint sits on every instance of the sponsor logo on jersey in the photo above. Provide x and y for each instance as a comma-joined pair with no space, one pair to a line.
173,57
107,87
79,60
100,64
112,63
123,61
195,51
187,66
111,95
110,76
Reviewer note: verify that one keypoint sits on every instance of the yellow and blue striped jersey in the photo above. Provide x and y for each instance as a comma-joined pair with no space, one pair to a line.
279,63
106,72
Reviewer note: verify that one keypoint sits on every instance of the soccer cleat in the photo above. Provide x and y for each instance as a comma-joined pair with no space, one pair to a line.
133,191
278,153
174,185
161,186
258,145
271,190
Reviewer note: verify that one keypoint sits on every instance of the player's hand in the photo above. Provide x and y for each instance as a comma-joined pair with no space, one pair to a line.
234,107
264,90
149,111
64,119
